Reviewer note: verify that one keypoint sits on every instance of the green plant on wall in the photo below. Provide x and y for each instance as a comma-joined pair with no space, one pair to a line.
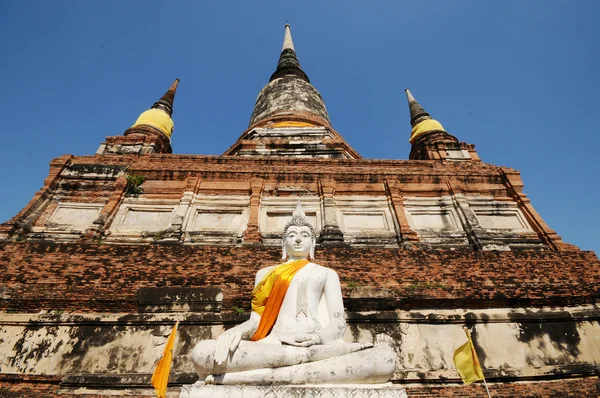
237,310
134,182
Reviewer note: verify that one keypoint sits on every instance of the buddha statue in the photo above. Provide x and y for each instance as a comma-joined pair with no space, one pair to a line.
294,333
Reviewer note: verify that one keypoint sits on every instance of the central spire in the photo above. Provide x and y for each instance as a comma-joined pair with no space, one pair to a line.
289,96
289,118
287,39
288,61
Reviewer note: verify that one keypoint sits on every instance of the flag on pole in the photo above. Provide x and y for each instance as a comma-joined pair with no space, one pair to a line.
467,363
160,377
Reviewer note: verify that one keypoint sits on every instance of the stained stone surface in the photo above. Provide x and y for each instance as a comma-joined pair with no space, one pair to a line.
200,390
288,95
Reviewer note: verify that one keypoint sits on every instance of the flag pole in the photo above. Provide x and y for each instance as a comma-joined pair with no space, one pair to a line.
486,388
472,345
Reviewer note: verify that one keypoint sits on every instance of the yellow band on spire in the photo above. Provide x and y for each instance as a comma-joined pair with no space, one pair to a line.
158,119
291,124
425,127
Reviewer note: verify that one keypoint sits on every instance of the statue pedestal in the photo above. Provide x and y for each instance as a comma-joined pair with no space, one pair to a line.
200,390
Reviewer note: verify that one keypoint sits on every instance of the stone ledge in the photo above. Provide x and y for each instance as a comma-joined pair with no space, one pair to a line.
124,380
587,313
503,375
199,390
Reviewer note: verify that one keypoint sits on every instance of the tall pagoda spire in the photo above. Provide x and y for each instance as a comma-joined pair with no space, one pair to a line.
289,117
287,39
289,96
288,60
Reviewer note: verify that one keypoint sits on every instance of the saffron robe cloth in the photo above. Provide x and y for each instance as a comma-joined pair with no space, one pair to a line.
425,127
269,293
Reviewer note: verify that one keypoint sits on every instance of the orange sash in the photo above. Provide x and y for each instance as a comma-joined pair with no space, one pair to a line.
268,295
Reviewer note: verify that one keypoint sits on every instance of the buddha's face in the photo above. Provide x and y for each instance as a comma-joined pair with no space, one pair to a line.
298,242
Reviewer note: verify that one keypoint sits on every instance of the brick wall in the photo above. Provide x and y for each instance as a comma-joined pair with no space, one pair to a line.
13,386
105,278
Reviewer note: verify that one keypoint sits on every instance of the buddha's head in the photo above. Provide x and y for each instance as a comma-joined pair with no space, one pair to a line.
298,239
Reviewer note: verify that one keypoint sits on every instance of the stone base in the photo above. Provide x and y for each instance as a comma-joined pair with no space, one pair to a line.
200,390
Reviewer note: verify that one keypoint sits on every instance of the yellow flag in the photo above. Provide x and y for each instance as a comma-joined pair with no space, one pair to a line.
467,363
160,377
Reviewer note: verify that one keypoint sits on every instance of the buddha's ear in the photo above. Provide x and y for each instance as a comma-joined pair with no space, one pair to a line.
283,250
311,255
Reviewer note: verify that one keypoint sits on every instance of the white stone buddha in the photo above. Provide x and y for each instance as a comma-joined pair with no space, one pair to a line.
299,340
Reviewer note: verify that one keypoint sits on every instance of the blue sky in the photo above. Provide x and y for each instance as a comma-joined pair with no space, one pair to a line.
519,79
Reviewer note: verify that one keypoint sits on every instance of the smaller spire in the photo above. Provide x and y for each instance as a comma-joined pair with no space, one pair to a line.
420,120
166,101
288,61
287,39
159,116
417,113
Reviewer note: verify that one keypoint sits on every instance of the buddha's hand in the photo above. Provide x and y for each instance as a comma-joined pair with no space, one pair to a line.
226,343
300,339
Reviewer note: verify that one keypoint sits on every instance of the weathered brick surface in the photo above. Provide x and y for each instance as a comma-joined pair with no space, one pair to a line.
166,177
423,177
37,390
580,388
105,278
12,385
